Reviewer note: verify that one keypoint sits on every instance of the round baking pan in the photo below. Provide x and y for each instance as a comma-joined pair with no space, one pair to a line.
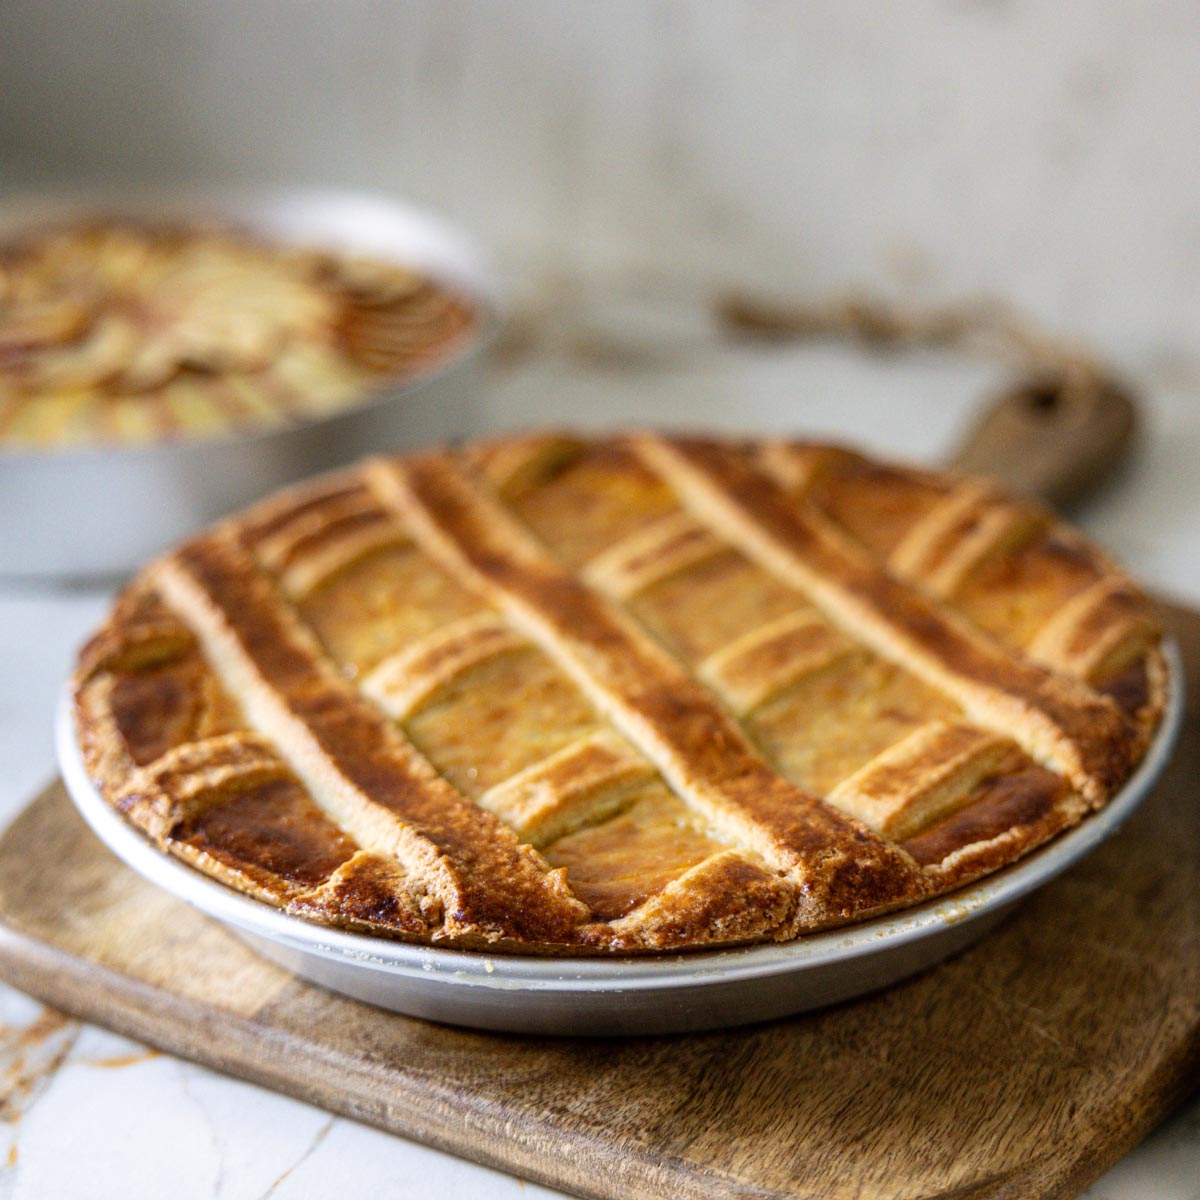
613,997
84,513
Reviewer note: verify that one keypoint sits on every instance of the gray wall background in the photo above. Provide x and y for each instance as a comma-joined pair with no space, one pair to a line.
1044,150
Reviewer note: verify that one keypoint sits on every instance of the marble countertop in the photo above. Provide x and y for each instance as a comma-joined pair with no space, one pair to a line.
84,1112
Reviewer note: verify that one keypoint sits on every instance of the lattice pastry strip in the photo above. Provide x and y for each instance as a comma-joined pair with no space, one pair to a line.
356,764
662,548
582,784
307,543
766,636
700,611
944,761
515,466
224,801
543,802
1057,720
800,469
651,843
410,678
1098,632
259,828
1060,804
379,603
830,722
591,496
702,754
1005,562
190,776
750,670
233,808
413,677
878,504
920,779
1093,624
970,526
374,876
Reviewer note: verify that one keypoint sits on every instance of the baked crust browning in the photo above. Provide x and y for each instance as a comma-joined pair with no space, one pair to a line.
567,696
357,765
655,703
1051,714
753,668
916,781
576,786
1003,563
665,547
972,524
409,679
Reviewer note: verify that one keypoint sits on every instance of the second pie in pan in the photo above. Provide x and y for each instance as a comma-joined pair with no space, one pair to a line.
132,332
560,695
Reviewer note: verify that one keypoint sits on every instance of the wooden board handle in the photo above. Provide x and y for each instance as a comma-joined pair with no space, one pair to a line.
1054,437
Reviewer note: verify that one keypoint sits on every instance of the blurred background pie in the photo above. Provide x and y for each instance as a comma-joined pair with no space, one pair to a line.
131,332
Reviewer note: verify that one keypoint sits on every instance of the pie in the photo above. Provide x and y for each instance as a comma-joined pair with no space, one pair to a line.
565,695
129,332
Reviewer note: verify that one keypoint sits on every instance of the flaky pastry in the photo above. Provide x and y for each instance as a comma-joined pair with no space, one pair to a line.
566,695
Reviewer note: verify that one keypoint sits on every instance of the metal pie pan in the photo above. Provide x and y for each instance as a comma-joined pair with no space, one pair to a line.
102,511
605,997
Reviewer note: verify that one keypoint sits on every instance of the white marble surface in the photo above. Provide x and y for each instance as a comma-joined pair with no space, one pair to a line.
68,1091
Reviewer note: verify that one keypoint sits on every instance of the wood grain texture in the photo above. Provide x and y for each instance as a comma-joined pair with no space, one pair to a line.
1022,1068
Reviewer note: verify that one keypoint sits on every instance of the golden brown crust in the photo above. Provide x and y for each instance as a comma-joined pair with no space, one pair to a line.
1051,714
659,707
372,777
556,695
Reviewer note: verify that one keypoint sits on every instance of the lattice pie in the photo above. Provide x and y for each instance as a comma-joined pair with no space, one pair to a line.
558,695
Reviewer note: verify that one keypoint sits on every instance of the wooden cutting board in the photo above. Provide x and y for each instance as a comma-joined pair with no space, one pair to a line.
1022,1068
